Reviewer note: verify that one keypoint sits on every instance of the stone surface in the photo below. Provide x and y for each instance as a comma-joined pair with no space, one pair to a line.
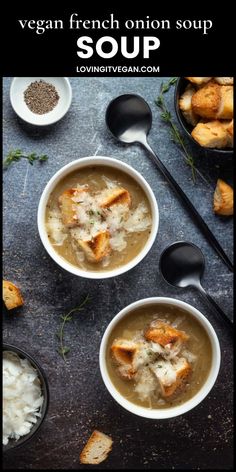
202,438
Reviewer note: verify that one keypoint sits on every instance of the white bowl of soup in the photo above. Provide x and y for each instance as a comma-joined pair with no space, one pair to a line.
97,217
159,357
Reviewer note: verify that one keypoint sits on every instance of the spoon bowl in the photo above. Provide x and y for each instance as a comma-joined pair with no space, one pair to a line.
182,265
128,117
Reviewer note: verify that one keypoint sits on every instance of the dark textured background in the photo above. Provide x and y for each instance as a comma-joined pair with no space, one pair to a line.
80,402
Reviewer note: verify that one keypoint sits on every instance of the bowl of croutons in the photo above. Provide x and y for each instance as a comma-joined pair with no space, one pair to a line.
204,108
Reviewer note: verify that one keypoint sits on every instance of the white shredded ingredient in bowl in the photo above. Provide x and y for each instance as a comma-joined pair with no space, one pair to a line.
22,396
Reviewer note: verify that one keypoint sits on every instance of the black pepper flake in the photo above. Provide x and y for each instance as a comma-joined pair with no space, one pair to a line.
41,97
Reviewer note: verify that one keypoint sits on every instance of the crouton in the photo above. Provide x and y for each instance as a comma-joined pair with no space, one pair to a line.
214,101
67,204
224,80
198,80
11,295
211,134
67,207
206,101
229,127
226,107
183,370
124,352
172,375
164,334
97,448
96,248
116,196
185,105
223,199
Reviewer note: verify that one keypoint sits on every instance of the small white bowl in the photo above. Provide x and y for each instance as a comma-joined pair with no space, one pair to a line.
79,164
171,412
20,84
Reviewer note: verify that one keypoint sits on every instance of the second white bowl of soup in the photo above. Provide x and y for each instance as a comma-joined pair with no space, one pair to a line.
159,357
98,217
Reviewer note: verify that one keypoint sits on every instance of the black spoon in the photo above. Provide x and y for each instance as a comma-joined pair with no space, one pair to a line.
129,118
182,265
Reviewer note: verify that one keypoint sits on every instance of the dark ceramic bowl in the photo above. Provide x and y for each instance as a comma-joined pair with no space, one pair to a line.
42,376
180,87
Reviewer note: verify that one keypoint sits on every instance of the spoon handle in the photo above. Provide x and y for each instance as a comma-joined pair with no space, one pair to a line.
221,314
188,204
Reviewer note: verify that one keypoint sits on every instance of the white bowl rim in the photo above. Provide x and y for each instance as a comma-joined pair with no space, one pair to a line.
110,162
48,122
176,410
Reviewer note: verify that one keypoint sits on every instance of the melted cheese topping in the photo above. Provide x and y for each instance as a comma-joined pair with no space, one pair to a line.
157,367
118,219
56,228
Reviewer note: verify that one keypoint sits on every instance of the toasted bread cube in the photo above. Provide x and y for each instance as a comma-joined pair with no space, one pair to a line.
116,196
183,370
11,295
97,448
185,105
96,248
67,207
172,375
206,101
214,101
211,134
223,199
164,334
226,108
224,80
185,101
124,352
198,80
229,127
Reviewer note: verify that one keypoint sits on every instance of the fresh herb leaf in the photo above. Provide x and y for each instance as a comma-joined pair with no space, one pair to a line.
17,154
166,87
62,349
65,350
43,158
166,116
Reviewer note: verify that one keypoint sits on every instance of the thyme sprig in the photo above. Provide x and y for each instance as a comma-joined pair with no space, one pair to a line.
176,136
17,154
62,349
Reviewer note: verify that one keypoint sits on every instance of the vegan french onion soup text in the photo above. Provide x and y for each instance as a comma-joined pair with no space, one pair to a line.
158,356
98,218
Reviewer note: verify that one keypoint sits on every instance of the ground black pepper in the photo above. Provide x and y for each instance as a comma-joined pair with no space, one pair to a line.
41,97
